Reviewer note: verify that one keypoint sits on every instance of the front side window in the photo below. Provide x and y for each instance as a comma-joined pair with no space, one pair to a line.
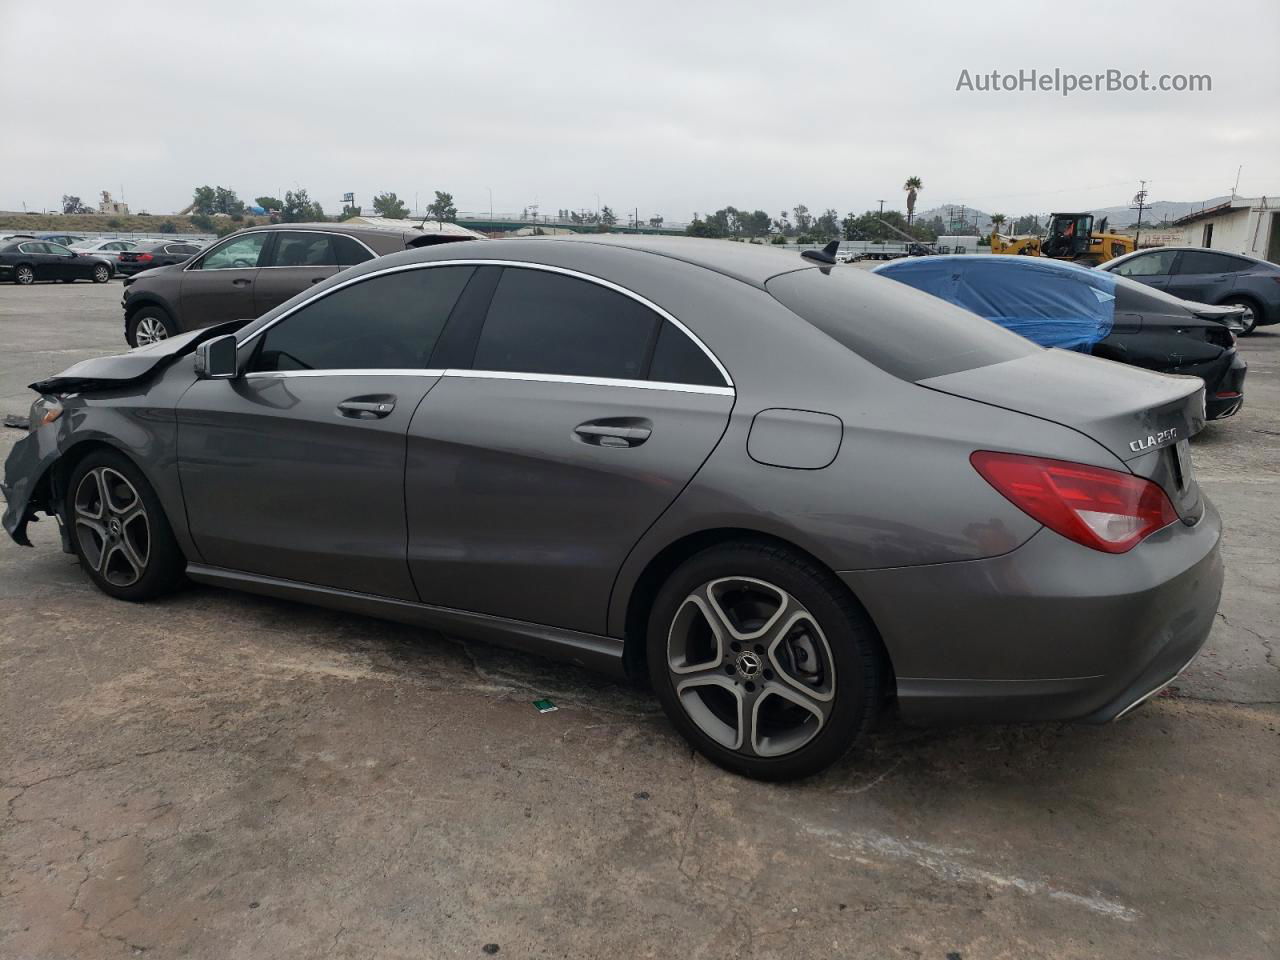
238,254
295,249
543,322
388,322
1155,264
58,250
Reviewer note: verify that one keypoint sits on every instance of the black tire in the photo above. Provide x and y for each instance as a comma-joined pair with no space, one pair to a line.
858,664
101,273
24,274
105,554
156,315
1251,319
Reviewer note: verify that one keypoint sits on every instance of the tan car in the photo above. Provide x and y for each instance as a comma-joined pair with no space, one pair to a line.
251,271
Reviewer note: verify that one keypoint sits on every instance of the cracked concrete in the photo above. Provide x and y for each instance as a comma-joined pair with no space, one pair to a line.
226,776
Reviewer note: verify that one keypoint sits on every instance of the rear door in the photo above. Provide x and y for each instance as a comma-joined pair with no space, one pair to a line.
1205,276
44,264
218,285
295,260
565,424
65,264
296,468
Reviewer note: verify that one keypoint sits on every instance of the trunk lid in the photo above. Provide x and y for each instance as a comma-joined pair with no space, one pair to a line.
1144,418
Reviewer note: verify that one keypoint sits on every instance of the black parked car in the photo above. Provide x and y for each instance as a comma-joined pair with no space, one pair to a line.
1208,276
26,261
1057,304
161,253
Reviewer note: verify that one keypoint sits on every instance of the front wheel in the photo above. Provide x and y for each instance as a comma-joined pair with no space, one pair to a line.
101,273
149,325
119,529
764,661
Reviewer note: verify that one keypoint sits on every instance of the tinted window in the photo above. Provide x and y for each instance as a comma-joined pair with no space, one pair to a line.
677,359
59,250
541,322
301,250
906,333
1199,261
1147,265
386,322
236,254
33,248
349,251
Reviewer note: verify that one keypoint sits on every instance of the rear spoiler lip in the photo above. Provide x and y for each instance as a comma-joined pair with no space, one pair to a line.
123,369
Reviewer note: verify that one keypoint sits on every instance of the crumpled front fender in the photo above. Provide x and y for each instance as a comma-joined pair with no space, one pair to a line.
27,485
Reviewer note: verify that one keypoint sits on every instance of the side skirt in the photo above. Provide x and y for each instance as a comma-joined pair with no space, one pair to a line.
602,654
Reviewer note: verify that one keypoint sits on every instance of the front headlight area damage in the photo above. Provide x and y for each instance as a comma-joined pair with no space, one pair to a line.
30,482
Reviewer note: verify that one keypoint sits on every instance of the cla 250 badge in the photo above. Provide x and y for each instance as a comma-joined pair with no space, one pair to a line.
1153,440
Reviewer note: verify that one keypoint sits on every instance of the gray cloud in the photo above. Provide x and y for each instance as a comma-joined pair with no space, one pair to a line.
669,107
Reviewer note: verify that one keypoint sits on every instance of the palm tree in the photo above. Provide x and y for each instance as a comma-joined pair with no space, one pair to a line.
912,186
997,221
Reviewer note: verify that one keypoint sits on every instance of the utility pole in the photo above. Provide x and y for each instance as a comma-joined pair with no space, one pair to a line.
1140,201
881,202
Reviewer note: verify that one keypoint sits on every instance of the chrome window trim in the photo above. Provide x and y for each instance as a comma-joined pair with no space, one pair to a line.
497,374
202,254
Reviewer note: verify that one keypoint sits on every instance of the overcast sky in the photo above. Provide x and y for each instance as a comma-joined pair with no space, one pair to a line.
672,108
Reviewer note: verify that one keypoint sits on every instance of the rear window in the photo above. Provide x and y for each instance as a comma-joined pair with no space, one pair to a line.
906,333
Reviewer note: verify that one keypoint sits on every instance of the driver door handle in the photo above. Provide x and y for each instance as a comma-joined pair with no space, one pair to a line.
367,408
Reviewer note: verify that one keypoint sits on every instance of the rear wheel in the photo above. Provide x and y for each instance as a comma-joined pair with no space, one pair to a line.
149,325
1249,322
763,661
119,530
24,274
101,273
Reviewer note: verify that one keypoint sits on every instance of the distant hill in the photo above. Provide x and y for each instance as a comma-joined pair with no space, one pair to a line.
1120,216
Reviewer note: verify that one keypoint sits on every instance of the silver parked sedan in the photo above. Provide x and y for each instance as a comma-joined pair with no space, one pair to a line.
785,491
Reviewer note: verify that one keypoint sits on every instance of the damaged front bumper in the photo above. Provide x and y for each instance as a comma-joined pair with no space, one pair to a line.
28,484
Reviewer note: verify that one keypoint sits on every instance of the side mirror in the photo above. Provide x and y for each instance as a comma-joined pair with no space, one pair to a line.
216,358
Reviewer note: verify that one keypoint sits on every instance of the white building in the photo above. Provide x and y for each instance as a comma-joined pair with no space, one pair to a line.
107,205
1248,225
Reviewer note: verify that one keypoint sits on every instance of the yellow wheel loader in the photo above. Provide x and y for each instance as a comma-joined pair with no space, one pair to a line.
1070,237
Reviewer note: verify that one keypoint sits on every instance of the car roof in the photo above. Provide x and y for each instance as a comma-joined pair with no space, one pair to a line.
1190,249
751,263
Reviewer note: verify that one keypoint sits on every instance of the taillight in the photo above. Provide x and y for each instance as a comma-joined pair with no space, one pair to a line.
1103,509
144,257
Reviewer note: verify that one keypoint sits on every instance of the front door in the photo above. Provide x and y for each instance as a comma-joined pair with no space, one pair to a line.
296,468
218,285
532,474
1151,268
294,261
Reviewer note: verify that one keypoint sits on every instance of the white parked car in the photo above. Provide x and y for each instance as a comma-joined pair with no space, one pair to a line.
109,250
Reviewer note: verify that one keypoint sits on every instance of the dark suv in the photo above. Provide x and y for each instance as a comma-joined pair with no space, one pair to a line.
247,273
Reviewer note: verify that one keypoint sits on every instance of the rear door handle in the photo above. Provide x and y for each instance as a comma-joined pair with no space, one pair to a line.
614,431
367,408
241,281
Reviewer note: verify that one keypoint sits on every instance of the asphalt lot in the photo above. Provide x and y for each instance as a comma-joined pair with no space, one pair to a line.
226,776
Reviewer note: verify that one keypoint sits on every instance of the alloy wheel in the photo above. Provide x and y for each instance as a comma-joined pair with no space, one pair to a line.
111,526
101,274
25,275
150,330
751,667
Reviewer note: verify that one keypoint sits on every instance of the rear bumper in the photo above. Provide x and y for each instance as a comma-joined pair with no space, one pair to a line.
1226,397
1051,631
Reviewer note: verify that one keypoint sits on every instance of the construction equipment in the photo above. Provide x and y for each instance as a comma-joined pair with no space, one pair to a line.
1071,236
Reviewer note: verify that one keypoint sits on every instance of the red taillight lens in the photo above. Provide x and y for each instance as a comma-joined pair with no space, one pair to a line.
1103,509
144,257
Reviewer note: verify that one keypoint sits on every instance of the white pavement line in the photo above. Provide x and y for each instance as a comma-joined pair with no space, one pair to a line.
942,863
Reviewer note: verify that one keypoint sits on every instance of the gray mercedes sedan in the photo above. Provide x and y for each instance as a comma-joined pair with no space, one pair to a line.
787,492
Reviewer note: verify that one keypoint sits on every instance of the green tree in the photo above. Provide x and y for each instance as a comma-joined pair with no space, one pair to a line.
443,208
202,222
269,203
226,201
804,221
72,204
655,222
298,207
607,216
913,186
349,211
204,200
389,205
997,221
827,225
168,227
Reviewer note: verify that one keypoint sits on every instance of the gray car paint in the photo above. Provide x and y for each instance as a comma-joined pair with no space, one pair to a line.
898,513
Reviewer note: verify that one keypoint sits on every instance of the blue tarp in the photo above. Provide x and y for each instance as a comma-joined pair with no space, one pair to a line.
1050,303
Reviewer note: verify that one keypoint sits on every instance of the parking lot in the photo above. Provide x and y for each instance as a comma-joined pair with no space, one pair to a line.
220,775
